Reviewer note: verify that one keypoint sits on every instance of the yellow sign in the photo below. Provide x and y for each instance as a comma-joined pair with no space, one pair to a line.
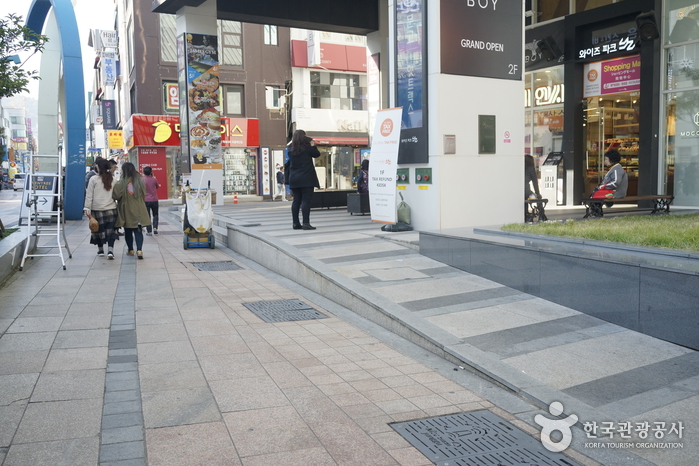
115,139
423,186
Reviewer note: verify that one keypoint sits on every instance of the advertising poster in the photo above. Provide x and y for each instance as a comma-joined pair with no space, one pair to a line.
612,76
482,38
155,157
204,111
411,83
383,166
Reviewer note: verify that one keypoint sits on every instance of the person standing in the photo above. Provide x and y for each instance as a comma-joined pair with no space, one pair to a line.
151,200
100,205
130,193
363,179
281,187
301,173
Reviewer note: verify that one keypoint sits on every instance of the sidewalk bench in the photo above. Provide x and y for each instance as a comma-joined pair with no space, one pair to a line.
537,211
661,204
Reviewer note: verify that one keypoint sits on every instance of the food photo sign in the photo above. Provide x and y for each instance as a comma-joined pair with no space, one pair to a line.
203,110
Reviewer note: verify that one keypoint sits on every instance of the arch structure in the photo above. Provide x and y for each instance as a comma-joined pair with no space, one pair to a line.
71,95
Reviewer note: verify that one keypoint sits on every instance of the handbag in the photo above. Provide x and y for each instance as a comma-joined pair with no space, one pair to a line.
94,224
603,194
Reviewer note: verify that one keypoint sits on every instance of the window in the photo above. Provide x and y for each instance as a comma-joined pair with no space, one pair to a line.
129,46
230,39
270,35
19,133
234,103
274,97
338,91
168,38
16,120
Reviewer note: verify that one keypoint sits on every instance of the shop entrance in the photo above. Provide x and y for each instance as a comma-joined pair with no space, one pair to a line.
611,122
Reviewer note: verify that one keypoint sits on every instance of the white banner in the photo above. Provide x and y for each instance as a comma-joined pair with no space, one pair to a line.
383,165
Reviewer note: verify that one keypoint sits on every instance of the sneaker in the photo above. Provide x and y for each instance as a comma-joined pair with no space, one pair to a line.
149,234
139,254
110,255
100,252
129,252
155,231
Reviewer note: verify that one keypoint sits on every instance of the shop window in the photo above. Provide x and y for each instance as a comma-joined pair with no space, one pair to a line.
270,35
538,11
239,171
234,103
338,91
230,39
543,101
168,38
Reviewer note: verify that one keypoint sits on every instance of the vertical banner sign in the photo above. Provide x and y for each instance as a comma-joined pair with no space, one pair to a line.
108,63
384,164
482,38
267,172
171,96
109,117
184,109
202,103
411,88
156,158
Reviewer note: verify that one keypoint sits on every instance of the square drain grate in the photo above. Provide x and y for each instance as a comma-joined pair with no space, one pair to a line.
474,438
284,311
216,266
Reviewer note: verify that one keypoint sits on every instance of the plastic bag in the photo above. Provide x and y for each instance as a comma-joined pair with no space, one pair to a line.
403,214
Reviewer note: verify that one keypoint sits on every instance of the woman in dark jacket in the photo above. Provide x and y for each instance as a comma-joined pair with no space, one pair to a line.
302,178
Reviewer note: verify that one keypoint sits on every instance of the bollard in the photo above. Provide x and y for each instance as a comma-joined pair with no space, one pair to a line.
235,198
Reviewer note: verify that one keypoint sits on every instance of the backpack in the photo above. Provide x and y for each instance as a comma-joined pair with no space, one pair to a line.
363,183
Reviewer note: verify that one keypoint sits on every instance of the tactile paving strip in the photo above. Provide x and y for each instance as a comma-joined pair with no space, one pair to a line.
216,266
477,438
287,310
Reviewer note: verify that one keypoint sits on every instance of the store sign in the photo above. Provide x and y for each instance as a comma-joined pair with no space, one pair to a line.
115,139
164,130
109,39
618,38
171,96
545,95
109,116
108,64
411,85
612,76
482,38
265,169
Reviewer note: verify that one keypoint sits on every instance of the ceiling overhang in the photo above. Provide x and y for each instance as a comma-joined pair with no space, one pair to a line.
355,17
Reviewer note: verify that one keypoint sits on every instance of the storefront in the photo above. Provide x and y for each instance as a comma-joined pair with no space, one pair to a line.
153,140
339,161
591,86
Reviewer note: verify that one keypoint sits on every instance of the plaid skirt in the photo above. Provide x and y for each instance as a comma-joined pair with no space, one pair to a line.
106,219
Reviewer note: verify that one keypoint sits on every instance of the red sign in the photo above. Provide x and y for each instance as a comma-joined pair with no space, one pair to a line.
155,158
164,130
332,56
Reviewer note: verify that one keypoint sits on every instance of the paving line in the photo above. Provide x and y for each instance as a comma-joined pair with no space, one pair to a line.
123,433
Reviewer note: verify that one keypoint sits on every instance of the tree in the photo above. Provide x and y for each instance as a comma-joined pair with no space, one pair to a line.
15,38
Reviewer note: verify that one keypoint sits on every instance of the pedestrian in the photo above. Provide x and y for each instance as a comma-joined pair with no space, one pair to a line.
100,205
281,187
130,193
113,165
92,172
363,179
301,173
151,199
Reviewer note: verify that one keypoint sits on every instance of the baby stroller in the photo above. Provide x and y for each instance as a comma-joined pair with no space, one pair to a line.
198,218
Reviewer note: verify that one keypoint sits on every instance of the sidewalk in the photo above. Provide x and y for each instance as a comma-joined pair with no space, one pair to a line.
155,362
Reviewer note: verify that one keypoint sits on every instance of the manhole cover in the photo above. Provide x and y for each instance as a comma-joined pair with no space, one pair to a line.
478,437
216,266
284,311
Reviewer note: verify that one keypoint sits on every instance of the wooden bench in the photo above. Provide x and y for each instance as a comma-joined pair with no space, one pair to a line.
537,207
661,204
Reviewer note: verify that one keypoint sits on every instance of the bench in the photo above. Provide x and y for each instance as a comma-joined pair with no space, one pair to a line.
537,207
661,204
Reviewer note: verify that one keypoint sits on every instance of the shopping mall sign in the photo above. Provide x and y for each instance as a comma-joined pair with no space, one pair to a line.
612,76
164,130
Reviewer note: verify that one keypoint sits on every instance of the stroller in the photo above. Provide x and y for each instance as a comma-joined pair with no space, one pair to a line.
198,218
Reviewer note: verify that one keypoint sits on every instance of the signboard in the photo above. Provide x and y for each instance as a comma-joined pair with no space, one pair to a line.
383,166
411,85
164,130
266,171
486,134
482,38
156,158
610,40
115,139
202,104
612,76
109,116
171,97
109,39
108,64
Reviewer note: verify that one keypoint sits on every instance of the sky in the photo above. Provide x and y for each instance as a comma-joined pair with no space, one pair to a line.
95,14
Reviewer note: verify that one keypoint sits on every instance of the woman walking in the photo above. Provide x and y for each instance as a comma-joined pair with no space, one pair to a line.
100,205
301,173
151,199
130,192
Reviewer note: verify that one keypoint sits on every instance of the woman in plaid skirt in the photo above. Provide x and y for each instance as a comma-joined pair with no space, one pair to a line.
100,205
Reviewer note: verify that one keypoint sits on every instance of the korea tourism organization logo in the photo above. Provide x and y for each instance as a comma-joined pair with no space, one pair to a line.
386,127
592,75
610,435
